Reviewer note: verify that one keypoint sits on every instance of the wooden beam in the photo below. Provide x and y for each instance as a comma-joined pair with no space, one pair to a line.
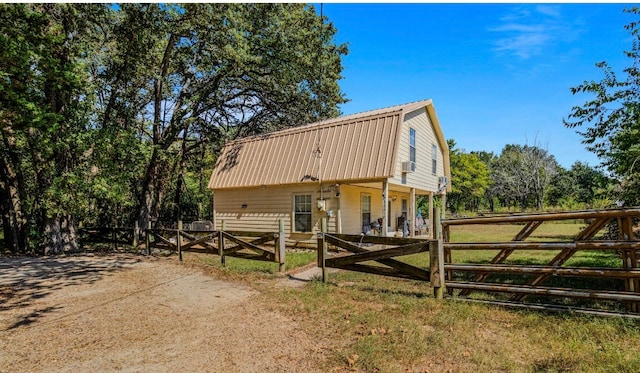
412,212
549,216
385,207
398,265
262,240
249,246
390,241
555,271
581,245
527,230
547,291
383,271
379,254
592,229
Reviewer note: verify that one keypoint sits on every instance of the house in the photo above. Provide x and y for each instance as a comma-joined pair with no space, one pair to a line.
355,170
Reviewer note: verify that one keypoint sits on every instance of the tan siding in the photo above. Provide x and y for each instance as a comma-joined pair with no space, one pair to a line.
266,206
423,178
352,212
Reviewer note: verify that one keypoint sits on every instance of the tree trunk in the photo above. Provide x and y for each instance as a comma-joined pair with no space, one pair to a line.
52,240
60,235
151,193
14,218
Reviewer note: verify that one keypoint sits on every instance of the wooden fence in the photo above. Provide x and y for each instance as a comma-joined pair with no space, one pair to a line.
381,252
536,277
260,246
238,244
377,255
109,235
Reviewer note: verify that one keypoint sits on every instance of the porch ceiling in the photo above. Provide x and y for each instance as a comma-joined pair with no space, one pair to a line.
392,187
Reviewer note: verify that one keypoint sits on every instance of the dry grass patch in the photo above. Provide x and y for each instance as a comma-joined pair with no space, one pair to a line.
388,325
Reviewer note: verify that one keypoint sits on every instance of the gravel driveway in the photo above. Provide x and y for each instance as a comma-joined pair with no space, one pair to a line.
130,313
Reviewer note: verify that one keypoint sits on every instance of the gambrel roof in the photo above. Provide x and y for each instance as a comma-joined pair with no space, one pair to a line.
356,147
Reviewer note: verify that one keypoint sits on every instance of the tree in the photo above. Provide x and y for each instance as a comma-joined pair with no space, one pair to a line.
469,179
523,174
109,112
200,74
490,193
582,186
611,120
44,120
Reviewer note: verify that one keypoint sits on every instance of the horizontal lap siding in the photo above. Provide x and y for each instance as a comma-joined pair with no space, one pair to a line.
422,178
266,206
352,212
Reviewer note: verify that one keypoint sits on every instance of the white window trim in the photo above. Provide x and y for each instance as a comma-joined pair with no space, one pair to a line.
434,158
415,145
362,211
294,212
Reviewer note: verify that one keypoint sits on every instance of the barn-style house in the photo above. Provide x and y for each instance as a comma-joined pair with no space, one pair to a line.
361,171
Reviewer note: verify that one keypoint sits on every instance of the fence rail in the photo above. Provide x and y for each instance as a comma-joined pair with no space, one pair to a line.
238,244
627,247
381,253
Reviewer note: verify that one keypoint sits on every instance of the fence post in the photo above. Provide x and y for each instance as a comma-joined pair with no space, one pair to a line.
147,237
179,239
436,264
136,233
322,249
437,223
113,239
280,246
223,226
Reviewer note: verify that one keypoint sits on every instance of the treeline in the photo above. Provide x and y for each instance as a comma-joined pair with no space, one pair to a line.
524,177
114,113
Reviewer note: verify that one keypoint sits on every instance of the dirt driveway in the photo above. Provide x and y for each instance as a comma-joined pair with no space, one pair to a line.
130,313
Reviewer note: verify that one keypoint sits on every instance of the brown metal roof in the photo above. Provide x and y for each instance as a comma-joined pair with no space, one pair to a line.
354,147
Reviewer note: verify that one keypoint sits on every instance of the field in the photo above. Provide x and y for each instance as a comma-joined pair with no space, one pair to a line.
245,318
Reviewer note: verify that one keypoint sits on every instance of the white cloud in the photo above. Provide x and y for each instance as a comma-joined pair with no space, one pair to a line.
529,31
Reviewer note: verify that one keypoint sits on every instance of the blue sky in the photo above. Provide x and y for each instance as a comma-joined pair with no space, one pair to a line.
497,73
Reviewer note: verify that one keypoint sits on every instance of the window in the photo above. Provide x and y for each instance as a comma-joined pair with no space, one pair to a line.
412,145
434,159
302,212
365,207
404,208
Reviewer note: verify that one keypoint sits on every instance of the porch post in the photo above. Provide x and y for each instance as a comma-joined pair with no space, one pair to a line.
444,204
339,216
412,212
431,215
213,207
385,203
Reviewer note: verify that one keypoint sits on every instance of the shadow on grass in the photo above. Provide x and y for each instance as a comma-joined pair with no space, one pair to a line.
25,280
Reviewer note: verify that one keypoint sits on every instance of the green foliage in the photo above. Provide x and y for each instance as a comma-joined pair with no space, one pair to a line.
522,174
610,121
580,187
111,114
45,119
469,179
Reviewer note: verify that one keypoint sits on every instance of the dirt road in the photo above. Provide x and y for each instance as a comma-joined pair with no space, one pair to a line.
130,313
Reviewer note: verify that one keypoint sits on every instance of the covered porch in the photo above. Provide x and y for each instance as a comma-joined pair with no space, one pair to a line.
384,208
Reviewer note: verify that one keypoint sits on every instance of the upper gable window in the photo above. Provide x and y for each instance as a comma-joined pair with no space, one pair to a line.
434,159
412,145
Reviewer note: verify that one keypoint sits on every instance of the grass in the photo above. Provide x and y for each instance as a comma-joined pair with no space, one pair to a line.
388,325
379,324
293,260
